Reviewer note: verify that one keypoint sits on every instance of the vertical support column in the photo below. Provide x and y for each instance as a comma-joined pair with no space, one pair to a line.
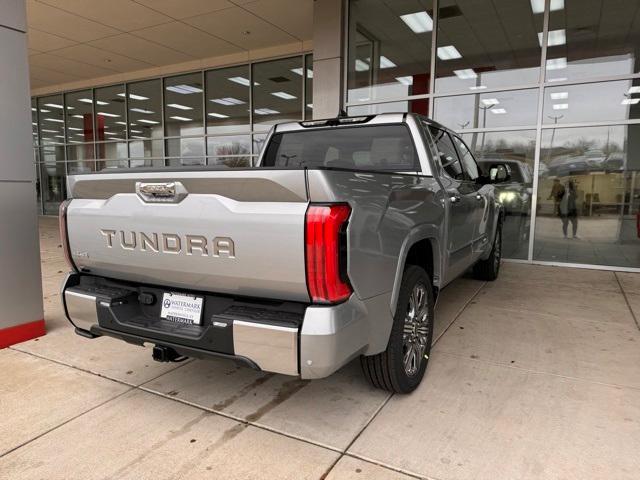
328,61
21,313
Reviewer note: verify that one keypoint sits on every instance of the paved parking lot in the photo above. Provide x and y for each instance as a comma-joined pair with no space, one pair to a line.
536,375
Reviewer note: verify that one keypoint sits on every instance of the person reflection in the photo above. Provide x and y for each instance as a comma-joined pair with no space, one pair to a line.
557,190
567,208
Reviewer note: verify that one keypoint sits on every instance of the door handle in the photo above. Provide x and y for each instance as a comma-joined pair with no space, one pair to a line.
479,197
454,197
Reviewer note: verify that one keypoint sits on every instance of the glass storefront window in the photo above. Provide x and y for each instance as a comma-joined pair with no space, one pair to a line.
389,49
228,100
390,107
79,116
487,45
516,149
183,105
308,87
110,113
144,148
145,111
488,110
591,102
601,38
34,121
185,147
277,92
51,118
111,150
229,145
589,196
52,185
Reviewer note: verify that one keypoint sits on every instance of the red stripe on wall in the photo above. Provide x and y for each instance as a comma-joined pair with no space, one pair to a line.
21,333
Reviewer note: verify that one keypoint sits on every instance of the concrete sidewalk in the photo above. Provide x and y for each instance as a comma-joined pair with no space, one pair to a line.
536,375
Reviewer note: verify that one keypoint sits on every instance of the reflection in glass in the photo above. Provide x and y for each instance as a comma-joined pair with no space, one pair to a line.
516,149
145,148
597,39
34,121
231,162
496,109
277,92
487,45
592,102
186,162
52,178
308,87
185,147
390,107
227,101
145,110
110,113
51,115
230,145
183,105
258,143
589,196
389,50
111,150
79,117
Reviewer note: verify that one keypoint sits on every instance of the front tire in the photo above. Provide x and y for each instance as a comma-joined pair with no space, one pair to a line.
401,366
490,268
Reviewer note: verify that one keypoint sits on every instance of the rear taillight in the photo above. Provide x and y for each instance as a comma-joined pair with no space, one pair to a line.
326,253
64,235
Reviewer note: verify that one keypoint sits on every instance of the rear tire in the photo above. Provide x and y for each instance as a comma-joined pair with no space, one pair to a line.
490,268
401,366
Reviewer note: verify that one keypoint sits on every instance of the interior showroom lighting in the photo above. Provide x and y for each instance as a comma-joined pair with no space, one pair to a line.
386,63
265,111
361,66
555,38
633,90
142,110
218,115
178,106
630,101
88,100
298,71
53,105
227,101
448,52
184,89
408,80
557,64
490,101
107,114
537,6
56,120
242,81
284,95
150,122
182,119
465,74
498,111
560,106
133,96
559,95
418,22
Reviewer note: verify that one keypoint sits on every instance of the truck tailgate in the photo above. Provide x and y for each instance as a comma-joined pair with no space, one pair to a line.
238,232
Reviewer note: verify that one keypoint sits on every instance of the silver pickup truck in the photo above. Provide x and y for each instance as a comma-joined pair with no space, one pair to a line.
334,247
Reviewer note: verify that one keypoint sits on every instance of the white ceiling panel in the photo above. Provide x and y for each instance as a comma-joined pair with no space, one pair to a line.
51,76
72,67
45,42
101,58
141,49
293,16
233,24
186,8
53,20
187,39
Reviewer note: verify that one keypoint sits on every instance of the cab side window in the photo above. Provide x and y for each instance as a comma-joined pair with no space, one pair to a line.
470,165
447,155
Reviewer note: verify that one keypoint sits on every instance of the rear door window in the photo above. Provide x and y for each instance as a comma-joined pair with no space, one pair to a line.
376,147
469,163
447,155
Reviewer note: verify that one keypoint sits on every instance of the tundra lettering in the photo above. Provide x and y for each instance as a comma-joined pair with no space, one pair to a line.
349,228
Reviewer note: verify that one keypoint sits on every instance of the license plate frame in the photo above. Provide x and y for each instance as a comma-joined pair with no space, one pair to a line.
182,308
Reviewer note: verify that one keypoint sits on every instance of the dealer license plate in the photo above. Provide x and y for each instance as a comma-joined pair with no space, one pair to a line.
182,308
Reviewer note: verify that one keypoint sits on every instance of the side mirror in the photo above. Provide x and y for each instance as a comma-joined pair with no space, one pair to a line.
499,173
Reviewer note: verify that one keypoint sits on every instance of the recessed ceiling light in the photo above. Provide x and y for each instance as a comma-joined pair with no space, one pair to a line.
48,131
57,120
465,74
107,114
138,136
133,96
77,116
386,63
490,101
53,105
241,81
122,123
110,133
418,22
560,106
183,89
227,101
150,122
633,90
537,6
448,52
630,101
478,87
217,115
299,72
361,65
182,119
265,111
559,95
557,64
555,38
42,110
310,105
136,131
178,106
408,80
142,110
283,95
75,128
498,111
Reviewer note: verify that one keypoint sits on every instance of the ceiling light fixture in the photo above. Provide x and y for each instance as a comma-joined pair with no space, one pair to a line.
633,90
408,80
150,122
555,38
53,105
418,22
537,6
178,106
182,119
560,106
559,95
107,114
448,52
490,101
498,111
283,95
133,96
557,64
242,81
227,101
361,65
183,89
386,63
142,110
630,101
265,111
57,120
217,115
465,74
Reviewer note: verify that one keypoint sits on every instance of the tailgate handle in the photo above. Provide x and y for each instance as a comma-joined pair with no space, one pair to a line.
161,192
